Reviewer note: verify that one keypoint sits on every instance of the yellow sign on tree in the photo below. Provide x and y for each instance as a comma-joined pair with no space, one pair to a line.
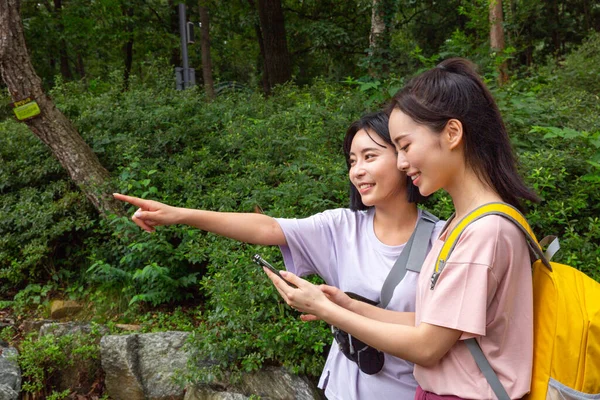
26,108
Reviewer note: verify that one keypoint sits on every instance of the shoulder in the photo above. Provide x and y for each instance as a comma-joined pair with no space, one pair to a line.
341,215
335,218
489,239
494,227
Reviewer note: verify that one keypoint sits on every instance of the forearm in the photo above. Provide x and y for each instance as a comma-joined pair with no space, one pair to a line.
244,227
415,344
383,315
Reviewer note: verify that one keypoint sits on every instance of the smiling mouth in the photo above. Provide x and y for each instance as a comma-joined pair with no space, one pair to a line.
365,186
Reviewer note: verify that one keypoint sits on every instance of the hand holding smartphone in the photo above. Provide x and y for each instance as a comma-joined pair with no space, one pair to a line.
263,263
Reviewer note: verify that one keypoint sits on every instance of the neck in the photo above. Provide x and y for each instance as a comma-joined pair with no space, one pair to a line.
394,224
469,192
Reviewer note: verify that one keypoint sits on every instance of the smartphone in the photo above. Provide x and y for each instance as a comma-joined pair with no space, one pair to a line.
263,263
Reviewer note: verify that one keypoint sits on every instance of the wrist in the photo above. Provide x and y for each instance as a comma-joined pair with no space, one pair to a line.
180,215
330,312
353,305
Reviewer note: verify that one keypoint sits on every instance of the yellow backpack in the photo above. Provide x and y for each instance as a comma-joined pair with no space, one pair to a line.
566,304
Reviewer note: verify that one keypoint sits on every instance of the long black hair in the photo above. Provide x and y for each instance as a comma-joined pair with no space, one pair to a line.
454,90
377,123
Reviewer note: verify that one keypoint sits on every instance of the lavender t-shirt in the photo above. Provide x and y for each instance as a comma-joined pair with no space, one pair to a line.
340,246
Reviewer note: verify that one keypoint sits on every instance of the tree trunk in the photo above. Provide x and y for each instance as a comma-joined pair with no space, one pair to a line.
377,23
174,27
555,31
51,126
382,17
261,46
80,66
277,58
65,69
376,36
205,46
497,38
128,46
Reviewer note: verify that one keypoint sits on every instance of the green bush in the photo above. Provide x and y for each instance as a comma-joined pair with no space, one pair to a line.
41,359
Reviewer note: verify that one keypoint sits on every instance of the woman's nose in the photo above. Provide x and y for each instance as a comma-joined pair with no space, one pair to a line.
402,163
357,170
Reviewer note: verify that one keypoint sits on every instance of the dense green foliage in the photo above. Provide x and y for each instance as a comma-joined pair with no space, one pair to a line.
243,152
41,360
86,40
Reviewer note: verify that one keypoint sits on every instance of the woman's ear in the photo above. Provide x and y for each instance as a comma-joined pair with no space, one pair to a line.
453,133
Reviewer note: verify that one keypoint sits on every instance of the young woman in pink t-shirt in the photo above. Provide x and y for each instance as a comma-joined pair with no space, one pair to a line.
449,135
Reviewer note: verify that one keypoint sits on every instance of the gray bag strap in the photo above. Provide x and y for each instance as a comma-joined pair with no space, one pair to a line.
486,369
412,256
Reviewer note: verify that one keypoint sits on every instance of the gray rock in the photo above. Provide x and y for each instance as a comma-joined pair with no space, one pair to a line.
271,383
205,393
119,355
65,328
7,393
143,366
161,356
278,384
10,374
31,325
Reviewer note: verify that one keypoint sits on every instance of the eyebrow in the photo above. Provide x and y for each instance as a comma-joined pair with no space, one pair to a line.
400,137
366,150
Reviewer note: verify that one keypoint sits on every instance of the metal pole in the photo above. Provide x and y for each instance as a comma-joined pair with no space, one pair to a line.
184,54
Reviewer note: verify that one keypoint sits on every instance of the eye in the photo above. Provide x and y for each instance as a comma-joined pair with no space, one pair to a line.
405,147
351,161
369,156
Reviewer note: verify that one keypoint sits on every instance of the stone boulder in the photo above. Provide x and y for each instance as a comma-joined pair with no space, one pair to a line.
271,383
64,308
143,366
10,373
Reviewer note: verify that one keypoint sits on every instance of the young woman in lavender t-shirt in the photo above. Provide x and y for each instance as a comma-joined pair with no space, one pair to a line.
352,249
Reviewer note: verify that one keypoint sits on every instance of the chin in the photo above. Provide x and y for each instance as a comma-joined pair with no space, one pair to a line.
425,192
366,202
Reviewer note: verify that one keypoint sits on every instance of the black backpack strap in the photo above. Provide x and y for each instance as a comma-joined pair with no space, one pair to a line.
412,256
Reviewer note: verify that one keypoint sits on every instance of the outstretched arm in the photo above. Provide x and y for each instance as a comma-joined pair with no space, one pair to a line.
245,227
425,344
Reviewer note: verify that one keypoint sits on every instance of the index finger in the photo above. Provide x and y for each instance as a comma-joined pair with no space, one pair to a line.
281,286
136,201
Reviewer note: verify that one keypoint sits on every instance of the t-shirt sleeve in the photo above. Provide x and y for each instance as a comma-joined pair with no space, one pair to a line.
469,280
310,245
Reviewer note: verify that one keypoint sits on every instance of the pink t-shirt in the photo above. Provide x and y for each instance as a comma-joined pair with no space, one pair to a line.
484,290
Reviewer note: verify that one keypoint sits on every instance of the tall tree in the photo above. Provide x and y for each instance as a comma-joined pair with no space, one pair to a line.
382,13
65,69
261,46
205,48
497,38
277,58
127,10
50,126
